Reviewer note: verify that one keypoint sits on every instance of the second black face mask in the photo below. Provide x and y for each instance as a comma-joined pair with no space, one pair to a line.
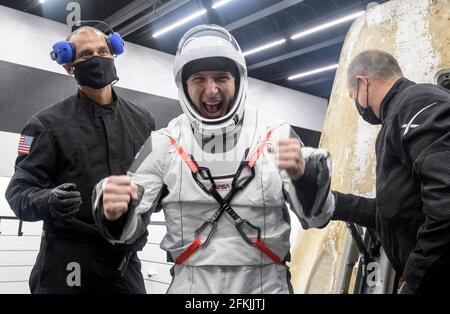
96,72
366,113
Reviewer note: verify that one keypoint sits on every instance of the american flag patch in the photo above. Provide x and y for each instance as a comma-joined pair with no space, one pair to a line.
25,144
139,152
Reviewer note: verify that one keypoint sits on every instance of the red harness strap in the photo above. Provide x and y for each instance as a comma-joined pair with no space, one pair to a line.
268,252
190,163
252,159
188,252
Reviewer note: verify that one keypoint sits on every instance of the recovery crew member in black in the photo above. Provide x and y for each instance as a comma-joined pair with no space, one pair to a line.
64,150
411,211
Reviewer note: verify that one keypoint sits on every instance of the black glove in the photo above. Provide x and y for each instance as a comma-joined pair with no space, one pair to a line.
319,169
316,172
64,201
313,187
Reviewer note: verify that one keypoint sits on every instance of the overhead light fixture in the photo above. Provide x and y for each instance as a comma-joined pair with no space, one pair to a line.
264,47
179,23
41,1
220,3
300,75
327,25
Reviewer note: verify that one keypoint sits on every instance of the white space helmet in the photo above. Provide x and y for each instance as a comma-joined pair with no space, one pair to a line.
209,41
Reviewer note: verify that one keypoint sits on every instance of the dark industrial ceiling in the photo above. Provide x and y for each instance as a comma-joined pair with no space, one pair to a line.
252,22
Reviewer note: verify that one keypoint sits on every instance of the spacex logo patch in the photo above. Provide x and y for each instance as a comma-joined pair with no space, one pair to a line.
410,125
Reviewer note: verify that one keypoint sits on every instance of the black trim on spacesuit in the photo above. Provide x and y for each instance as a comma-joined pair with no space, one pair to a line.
142,154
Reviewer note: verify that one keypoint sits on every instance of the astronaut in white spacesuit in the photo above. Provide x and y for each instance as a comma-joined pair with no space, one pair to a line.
224,174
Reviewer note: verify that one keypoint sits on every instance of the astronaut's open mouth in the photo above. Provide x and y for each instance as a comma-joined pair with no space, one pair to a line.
212,107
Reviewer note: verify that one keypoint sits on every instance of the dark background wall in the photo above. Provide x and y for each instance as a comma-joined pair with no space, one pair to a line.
25,90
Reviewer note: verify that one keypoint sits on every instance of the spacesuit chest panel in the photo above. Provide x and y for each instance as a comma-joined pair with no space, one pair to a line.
264,189
187,206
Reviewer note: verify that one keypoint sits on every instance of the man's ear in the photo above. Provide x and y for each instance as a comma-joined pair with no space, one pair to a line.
362,79
68,69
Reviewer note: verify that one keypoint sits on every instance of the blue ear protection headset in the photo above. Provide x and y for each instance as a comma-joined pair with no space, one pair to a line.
64,51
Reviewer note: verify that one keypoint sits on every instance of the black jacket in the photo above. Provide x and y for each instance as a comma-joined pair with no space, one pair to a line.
411,211
77,141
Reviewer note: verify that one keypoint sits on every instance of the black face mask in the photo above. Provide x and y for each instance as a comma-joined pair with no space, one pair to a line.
96,72
366,113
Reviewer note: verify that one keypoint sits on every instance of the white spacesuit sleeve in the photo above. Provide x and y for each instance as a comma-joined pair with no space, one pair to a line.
310,197
147,172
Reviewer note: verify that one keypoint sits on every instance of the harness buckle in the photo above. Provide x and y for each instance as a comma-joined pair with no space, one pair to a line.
200,230
244,222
